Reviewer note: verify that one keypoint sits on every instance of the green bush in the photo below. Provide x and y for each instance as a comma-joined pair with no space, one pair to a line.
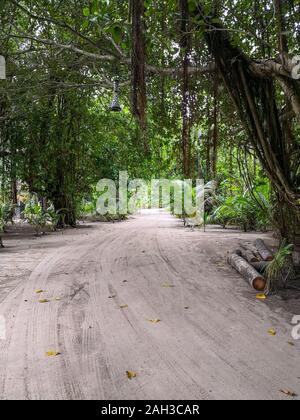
6,215
37,218
250,210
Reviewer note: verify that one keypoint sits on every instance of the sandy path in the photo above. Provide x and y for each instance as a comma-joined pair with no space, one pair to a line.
212,341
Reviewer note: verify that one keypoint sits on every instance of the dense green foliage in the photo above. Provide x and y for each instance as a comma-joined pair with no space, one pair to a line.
59,138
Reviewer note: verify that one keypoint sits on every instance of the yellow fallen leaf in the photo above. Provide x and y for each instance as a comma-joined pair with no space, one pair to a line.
123,306
57,298
39,291
52,353
168,285
130,374
271,331
154,321
44,301
288,392
261,297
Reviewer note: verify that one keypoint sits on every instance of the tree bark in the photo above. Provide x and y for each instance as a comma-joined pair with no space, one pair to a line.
215,143
263,250
282,38
256,280
254,94
138,58
185,50
260,266
248,256
67,213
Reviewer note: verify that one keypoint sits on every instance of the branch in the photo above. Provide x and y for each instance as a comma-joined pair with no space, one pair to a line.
69,47
262,68
151,69
61,24
272,68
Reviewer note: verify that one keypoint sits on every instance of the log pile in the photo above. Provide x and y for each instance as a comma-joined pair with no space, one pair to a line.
263,250
251,262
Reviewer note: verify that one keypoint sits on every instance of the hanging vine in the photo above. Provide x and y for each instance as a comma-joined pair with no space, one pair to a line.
139,101
185,44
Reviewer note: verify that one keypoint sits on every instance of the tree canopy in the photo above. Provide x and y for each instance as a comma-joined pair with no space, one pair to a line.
208,88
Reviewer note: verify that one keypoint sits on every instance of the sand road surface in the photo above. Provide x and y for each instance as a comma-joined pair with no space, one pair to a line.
105,284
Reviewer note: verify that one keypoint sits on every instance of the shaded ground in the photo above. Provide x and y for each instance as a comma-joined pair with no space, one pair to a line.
212,341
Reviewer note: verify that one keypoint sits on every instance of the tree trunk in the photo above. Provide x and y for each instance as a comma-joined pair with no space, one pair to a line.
208,146
185,49
256,101
282,38
138,56
263,250
215,143
248,256
67,213
289,227
14,192
256,280
260,266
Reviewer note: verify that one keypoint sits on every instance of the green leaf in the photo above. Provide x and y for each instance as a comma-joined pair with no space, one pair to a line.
95,7
116,32
86,11
192,6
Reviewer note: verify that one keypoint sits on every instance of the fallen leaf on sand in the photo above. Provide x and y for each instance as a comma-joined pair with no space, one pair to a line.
39,291
261,296
130,374
271,331
52,353
44,301
291,343
111,297
57,298
288,393
154,321
123,306
168,285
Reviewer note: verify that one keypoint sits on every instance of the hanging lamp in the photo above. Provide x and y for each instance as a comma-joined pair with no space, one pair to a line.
115,105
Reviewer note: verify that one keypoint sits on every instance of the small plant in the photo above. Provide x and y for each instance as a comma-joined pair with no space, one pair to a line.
281,267
54,216
2,225
8,210
250,210
37,218
6,215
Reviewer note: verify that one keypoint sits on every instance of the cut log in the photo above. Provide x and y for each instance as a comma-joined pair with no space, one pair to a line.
260,266
249,247
263,250
249,256
256,280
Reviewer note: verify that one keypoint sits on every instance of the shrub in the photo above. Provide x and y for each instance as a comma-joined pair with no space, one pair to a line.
250,210
37,218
